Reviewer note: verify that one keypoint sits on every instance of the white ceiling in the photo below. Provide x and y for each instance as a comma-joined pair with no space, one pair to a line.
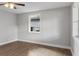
36,6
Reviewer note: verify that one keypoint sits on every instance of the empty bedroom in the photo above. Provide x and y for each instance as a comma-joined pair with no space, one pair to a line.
39,29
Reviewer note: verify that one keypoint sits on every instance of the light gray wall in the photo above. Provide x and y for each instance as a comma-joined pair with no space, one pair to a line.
8,28
55,27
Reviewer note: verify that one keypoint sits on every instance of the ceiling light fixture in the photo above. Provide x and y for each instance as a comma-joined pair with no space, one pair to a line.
11,5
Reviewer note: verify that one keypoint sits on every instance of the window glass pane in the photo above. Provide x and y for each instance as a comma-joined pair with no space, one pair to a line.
75,28
34,23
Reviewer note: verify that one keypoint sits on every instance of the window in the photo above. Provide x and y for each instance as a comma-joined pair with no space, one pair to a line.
75,28
34,23
75,22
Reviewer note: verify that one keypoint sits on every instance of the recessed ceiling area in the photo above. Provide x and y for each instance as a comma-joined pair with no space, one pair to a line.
36,6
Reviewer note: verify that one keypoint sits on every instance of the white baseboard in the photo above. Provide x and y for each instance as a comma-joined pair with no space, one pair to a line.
3,43
72,52
52,45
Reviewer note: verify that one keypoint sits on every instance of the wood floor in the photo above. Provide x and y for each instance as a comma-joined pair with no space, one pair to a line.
19,48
